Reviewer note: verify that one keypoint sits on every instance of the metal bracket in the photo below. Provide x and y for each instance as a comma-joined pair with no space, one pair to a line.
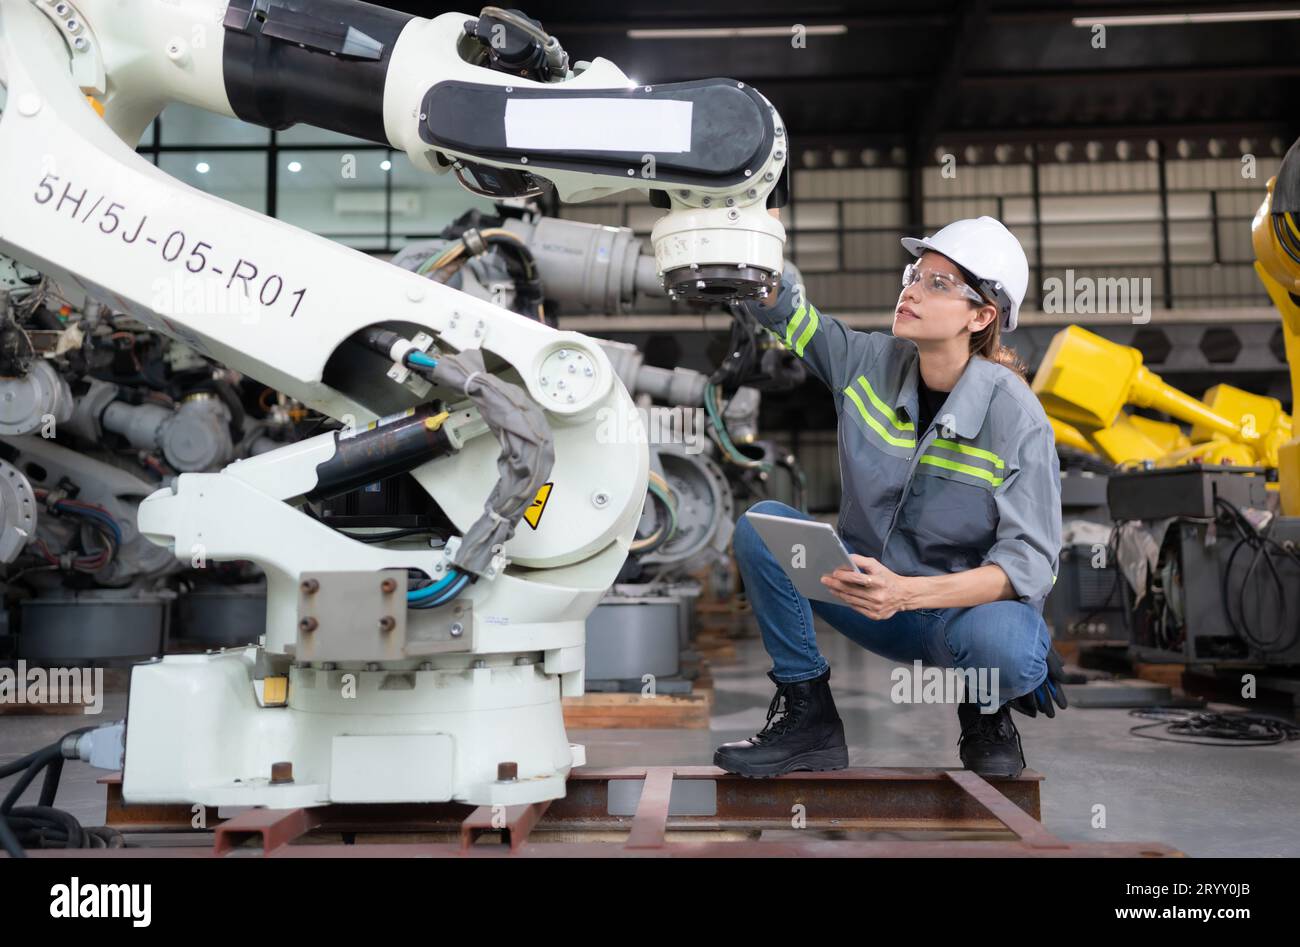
414,383
441,630
496,565
352,616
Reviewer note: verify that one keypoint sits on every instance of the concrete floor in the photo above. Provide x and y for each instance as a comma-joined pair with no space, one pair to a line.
1202,800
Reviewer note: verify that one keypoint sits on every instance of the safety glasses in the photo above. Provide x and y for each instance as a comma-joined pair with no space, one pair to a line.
939,284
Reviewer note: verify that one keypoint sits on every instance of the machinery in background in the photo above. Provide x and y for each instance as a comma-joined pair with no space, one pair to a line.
1213,572
1209,551
647,617
1086,603
705,455
706,447
1086,382
538,266
710,464
96,412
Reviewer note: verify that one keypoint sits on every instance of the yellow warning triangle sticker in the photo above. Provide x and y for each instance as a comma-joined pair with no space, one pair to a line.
534,512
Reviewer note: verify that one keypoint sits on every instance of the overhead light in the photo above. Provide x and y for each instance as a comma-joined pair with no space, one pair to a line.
203,167
733,32
294,167
385,165
1178,19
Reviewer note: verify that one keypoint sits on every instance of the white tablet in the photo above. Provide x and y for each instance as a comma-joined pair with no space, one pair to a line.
806,550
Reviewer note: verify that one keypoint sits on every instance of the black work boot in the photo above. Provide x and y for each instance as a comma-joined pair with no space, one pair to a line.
989,743
806,733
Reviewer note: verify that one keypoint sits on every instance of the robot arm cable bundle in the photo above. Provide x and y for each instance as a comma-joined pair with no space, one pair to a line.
527,448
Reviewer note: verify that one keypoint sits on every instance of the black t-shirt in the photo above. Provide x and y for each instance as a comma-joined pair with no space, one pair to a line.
930,403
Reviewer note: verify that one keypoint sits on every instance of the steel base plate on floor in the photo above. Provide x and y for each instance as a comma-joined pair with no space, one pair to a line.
656,811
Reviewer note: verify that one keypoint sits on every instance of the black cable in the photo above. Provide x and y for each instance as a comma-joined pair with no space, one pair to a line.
1209,728
380,341
441,599
1262,545
50,787
18,765
318,422
230,398
42,825
738,366
9,841
387,535
798,479
43,757
521,266
47,827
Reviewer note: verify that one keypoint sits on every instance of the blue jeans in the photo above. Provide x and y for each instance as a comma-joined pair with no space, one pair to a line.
1008,635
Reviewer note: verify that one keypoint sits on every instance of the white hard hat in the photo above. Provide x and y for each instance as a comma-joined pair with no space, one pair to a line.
990,252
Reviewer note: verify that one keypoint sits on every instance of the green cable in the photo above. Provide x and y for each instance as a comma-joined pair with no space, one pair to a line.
736,457
668,505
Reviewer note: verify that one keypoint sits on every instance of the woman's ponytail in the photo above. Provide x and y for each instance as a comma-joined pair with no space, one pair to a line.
987,343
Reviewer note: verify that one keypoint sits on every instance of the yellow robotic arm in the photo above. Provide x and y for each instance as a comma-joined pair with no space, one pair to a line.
1275,236
1086,381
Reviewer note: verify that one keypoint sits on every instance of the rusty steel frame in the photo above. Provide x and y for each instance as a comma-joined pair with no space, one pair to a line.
866,799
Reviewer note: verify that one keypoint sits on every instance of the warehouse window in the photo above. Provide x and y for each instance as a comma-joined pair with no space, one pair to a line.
238,177
357,192
341,194
1183,223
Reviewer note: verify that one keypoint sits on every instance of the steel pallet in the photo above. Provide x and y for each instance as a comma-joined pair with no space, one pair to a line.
654,811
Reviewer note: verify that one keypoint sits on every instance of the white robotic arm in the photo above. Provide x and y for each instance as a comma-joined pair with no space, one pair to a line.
277,303
294,311
489,98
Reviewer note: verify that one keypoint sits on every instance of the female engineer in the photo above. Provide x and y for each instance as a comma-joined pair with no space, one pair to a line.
951,508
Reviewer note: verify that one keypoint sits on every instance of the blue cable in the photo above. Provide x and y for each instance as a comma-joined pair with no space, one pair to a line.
455,590
424,361
87,513
448,596
429,591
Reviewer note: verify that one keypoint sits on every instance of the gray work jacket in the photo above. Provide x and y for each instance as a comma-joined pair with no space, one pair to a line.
980,485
